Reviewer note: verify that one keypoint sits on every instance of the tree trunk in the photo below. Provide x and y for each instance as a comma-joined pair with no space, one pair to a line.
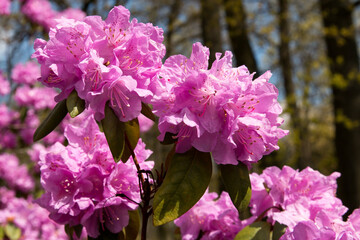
173,15
344,65
210,26
236,24
299,130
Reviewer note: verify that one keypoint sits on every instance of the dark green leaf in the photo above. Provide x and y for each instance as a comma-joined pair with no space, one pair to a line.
51,121
74,104
114,131
132,229
255,231
278,231
132,132
185,182
169,138
146,111
237,183
12,232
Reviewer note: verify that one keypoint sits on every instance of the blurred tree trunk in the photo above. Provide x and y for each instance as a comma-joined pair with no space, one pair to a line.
302,156
210,26
344,65
173,15
236,24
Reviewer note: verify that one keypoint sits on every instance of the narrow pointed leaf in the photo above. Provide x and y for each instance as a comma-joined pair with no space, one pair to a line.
255,231
147,112
185,183
114,132
132,229
74,104
51,121
237,183
132,131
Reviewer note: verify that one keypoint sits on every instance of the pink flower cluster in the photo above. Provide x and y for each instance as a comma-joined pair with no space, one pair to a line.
212,216
35,97
83,184
104,61
220,110
8,118
15,175
304,201
41,12
5,85
31,219
26,73
5,7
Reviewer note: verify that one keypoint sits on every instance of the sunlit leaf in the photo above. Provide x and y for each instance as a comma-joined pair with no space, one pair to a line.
114,131
255,231
237,183
51,121
12,232
185,183
74,104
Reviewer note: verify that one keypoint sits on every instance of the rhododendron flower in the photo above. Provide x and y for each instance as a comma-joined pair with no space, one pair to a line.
219,110
104,61
27,73
31,219
5,7
213,217
82,182
18,177
41,12
5,85
290,197
325,227
37,97
8,118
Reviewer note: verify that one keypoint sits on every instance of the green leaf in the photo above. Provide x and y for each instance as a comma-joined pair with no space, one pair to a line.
12,232
114,133
185,182
2,234
74,104
147,112
278,231
132,229
255,231
169,138
237,183
51,121
132,133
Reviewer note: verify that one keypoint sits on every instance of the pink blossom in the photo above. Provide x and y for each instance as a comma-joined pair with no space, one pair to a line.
39,11
326,227
18,178
105,61
219,110
291,197
82,182
37,97
215,218
5,7
5,85
26,73
29,217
